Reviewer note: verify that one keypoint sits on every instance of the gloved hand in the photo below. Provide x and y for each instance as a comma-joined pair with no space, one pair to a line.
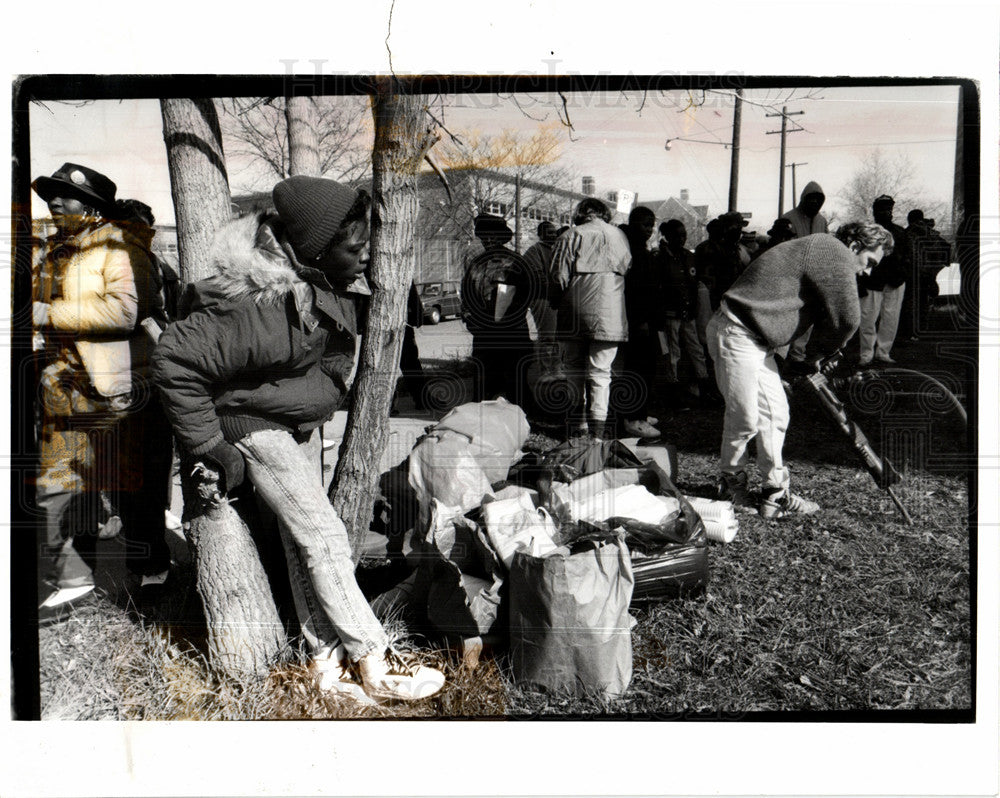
831,362
230,464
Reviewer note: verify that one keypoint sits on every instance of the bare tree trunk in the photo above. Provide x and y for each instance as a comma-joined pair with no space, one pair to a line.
244,632
403,135
198,180
303,142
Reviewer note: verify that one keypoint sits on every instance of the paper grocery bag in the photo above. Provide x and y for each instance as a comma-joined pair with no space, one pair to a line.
505,296
569,621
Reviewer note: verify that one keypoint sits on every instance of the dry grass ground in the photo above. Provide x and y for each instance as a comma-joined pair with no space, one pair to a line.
847,610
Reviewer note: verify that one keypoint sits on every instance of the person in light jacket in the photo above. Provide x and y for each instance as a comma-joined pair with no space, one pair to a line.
94,289
588,282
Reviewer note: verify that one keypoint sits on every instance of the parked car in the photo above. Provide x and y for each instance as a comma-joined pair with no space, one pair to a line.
440,301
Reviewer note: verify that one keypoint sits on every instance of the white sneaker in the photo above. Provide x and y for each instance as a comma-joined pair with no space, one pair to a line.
65,595
330,665
782,503
641,429
389,676
155,579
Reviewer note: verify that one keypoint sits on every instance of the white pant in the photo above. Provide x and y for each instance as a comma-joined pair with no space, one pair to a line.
884,308
756,405
685,333
588,366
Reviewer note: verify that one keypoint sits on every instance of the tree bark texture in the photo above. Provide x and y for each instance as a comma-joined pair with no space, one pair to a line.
245,634
199,183
303,137
403,135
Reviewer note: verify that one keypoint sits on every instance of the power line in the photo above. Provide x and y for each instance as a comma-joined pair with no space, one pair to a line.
854,144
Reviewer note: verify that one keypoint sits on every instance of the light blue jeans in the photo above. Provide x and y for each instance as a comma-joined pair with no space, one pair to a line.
756,405
328,601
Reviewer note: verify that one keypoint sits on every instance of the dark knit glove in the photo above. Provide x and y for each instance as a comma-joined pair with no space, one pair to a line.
229,462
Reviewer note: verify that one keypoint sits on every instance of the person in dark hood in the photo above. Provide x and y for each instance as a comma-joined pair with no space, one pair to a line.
264,358
805,217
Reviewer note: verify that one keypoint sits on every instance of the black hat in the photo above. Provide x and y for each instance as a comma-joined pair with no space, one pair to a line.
781,227
313,209
733,217
914,216
494,227
883,199
77,182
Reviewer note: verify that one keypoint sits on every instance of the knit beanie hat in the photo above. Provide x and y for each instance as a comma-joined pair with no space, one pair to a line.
312,210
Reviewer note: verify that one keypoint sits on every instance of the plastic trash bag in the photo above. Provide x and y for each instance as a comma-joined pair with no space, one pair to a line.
496,431
444,469
569,621
669,558
516,524
463,576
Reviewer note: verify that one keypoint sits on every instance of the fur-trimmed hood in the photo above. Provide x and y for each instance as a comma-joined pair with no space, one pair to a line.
251,261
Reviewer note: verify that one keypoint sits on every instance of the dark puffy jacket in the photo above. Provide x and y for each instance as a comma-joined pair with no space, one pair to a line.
894,269
268,344
588,273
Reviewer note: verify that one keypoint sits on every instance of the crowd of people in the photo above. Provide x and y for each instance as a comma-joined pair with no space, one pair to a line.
265,351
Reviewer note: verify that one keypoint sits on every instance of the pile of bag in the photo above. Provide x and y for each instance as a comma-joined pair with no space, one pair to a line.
553,551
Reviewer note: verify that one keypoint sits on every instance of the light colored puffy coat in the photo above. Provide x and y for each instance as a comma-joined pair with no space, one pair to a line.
588,267
109,285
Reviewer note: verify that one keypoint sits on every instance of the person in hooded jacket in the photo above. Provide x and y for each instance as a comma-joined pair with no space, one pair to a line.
94,289
805,217
262,360
588,289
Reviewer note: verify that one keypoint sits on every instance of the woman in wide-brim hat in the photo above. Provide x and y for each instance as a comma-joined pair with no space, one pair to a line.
96,285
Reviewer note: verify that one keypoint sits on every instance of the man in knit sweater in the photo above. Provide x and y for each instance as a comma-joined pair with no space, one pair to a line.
806,282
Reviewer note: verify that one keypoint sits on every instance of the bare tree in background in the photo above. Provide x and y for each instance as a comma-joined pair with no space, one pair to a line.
258,129
475,158
245,633
879,174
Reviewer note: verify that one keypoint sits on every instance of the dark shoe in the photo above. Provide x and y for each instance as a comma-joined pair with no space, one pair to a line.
735,488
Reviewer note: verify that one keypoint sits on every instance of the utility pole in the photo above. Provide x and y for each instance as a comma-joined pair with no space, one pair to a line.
734,166
795,191
785,113
517,213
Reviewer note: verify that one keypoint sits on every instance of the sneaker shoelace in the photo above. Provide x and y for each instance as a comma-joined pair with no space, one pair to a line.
397,665
793,503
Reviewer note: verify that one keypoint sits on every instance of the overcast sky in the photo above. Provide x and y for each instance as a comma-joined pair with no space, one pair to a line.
618,139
